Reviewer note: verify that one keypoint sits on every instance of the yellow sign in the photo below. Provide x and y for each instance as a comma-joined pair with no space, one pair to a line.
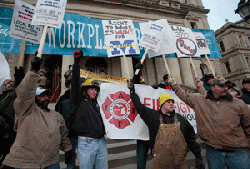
101,77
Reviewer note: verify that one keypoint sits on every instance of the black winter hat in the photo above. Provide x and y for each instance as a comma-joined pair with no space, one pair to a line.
165,77
246,80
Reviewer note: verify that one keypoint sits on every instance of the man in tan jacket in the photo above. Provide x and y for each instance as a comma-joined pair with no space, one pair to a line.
223,123
41,132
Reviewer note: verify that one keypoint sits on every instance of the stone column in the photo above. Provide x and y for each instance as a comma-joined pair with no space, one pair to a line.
66,61
150,67
129,67
186,73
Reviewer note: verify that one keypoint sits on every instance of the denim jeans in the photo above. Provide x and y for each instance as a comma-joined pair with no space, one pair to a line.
142,153
53,166
233,160
72,164
92,153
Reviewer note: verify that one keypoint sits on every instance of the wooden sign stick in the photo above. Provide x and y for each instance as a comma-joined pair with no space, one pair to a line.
126,66
192,63
210,65
22,53
166,65
42,42
142,60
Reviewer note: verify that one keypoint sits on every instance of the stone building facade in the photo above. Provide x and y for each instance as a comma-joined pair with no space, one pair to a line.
186,13
234,43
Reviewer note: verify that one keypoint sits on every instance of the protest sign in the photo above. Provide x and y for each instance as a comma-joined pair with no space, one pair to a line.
120,37
201,42
166,46
153,36
49,13
21,27
5,69
185,42
120,118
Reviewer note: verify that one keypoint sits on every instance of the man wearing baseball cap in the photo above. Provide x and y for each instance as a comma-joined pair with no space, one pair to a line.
41,132
169,133
223,123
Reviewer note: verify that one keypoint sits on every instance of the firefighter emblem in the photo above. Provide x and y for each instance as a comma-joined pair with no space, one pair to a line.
119,109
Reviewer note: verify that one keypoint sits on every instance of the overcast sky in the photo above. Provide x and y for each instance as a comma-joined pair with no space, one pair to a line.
221,10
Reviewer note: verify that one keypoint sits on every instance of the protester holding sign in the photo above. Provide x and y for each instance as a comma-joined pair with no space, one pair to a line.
165,144
41,132
223,123
89,127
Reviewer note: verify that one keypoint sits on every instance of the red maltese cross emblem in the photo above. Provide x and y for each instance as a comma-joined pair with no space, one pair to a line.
119,109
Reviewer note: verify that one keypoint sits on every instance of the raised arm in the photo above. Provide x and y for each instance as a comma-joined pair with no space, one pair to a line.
26,90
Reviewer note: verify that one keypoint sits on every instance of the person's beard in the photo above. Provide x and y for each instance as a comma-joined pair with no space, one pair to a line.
42,105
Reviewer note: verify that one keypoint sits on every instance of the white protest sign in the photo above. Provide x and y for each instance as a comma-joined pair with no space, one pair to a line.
153,36
201,42
21,27
185,42
5,69
120,118
120,37
166,46
49,13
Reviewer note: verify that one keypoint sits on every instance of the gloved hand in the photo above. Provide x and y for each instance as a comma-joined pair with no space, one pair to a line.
199,163
171,80
69,155
19,75
155,86
131,86
139,65
72,134
35,64
78,55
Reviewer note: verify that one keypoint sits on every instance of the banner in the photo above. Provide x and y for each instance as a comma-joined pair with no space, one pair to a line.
120,37
202,44
101,77
153,35
185,42
120,118
49,12
77,33
5,69
21,27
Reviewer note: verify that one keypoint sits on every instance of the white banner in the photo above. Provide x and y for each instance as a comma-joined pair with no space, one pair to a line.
50,13
185,42
120,118
21,27
5,69
201,42
120,37
166,46
152,35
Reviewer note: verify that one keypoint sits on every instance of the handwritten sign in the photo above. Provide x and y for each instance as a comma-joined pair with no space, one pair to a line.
153,36
185,42
50,13
167,46
21,27
120,37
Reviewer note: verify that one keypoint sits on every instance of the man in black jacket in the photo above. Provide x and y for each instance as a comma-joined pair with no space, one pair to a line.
89,126
167,115
246,90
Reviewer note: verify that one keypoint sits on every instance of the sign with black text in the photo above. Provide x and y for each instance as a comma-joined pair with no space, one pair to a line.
21,27
49,12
